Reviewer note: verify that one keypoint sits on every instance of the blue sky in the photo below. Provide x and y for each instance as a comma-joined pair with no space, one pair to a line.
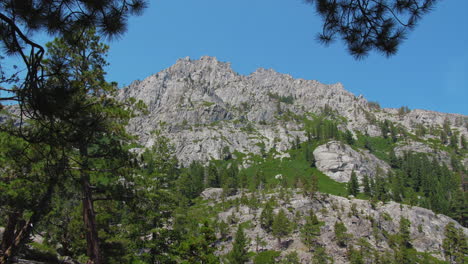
430,71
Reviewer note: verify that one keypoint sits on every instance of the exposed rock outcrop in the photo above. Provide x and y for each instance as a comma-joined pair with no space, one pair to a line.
212,193
419,147
359,217
193,96
338,161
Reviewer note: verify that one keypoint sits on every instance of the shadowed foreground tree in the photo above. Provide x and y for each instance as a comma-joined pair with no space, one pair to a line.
28,176
65,18
366,25
92,123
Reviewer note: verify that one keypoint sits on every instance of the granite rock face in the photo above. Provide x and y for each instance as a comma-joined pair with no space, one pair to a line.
338,161
212,193
440,156
359,217
203,106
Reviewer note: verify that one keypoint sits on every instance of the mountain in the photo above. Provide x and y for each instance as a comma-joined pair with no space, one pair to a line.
266,168
279,131
205,106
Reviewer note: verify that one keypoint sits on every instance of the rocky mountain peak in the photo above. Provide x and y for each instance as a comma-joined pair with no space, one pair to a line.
206,68
192,96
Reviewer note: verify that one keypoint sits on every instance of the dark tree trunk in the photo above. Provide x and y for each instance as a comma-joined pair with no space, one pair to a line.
11,244
17,232
9,234
8,237
89,217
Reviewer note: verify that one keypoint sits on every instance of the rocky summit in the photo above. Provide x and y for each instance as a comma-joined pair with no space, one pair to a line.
204,106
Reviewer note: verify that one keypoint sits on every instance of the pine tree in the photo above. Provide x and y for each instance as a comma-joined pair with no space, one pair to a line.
349,137
398,192
394,162
385,129
403,111
253,202
380,189
309,155
29,175
443,137
446,127
405,225
258,242
213,177
340,234
190,182
320,255
453,141
353,185
196,247
393,133
459,207
368,145
311,230
454,244
314,185
366,185
343,20
206,253
20,20
354,256
266,217
291,258
281,226
238,254
402,251
223,230
364,254
463,142
243,180
372,186
297,143
91,123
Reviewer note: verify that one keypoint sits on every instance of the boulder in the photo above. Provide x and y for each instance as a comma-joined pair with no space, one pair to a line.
212,193
338,160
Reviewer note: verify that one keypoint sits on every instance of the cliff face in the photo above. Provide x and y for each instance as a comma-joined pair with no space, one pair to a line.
363,220
339,160
203,106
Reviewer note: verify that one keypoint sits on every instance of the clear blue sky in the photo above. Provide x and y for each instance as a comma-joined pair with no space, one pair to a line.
430,71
